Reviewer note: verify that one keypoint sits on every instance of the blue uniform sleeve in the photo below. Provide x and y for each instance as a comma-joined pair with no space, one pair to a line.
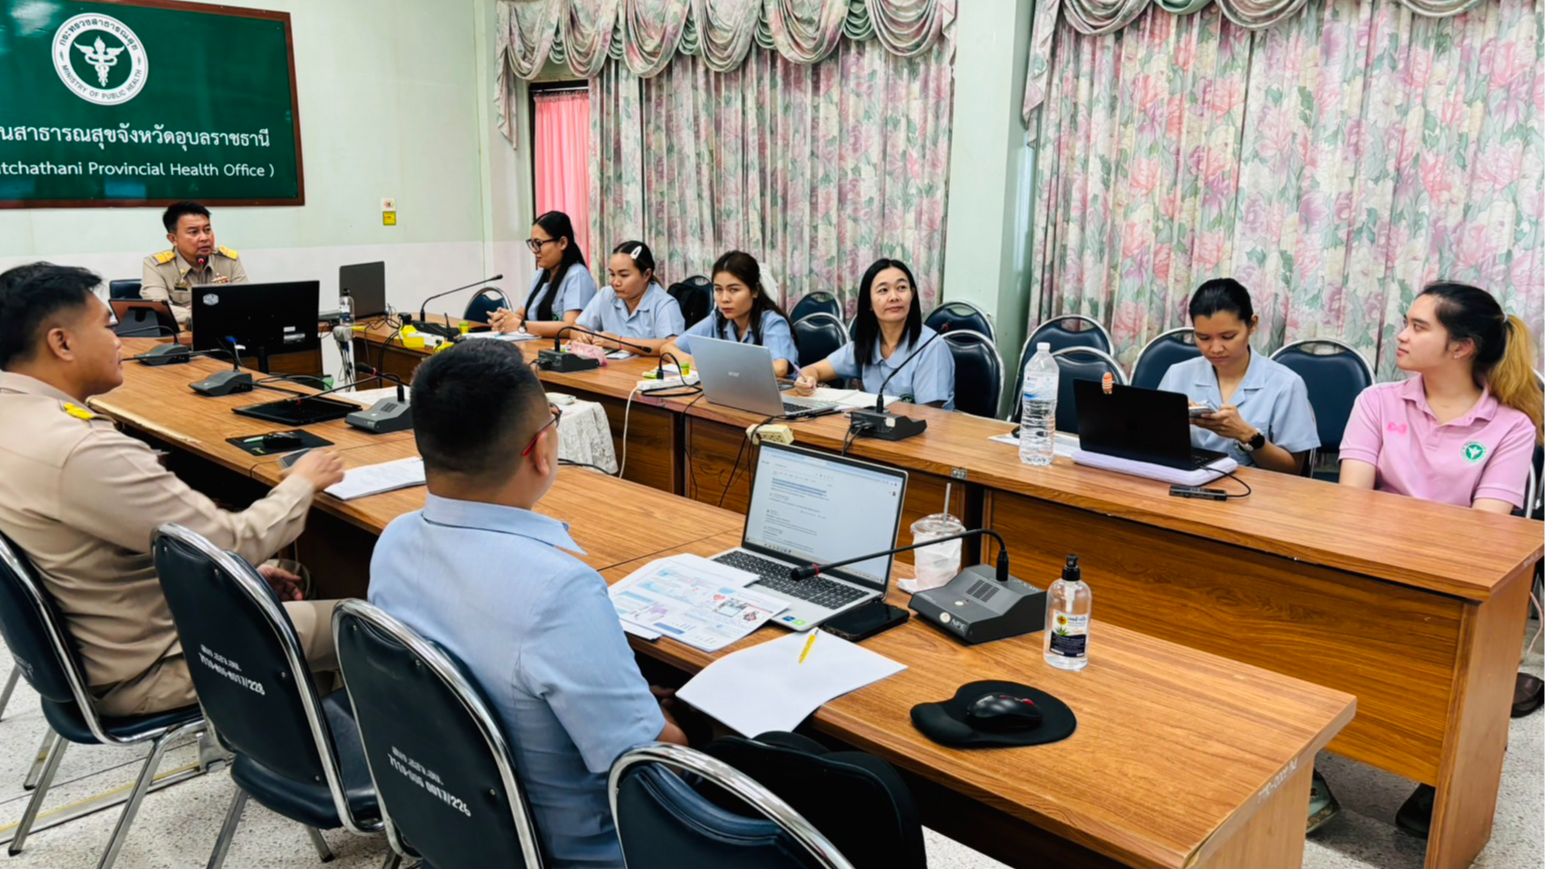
934,376
581,666
668,321
1293,426
843,362
577,291
702,328
778,337
590,318
1175,380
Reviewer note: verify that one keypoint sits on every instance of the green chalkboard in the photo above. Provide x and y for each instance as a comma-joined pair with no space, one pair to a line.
146,102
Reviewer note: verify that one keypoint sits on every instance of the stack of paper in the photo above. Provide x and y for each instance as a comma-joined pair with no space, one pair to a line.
503,336
375,479
767,687
699,602
849,398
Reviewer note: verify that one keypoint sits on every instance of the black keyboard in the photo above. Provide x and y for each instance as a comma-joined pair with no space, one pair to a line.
792,409
775,575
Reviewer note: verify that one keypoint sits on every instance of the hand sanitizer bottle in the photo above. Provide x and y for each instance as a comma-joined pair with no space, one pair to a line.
1068,603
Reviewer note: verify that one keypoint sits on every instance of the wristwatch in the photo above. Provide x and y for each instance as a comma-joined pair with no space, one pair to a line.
1254,443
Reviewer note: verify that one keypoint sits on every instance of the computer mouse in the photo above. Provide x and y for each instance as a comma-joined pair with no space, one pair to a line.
282,440
1000,712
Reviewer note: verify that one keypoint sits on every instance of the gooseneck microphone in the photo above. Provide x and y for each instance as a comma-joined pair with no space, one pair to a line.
448,331
879,423
798,574
558,360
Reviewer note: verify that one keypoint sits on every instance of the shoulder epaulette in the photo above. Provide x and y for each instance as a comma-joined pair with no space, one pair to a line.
225,251
76,411
164,256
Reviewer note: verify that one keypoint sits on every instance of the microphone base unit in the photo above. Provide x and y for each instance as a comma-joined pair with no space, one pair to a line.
975,607
223,383
885,425
447,332
385,416
166,354
565,363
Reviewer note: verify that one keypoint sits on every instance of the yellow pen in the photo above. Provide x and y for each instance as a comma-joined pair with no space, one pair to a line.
808,643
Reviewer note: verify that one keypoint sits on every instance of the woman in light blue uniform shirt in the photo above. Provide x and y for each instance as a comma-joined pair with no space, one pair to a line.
890,329
634,313
1263,417
560,264
742,312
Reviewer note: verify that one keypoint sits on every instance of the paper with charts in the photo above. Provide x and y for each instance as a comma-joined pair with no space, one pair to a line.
693,600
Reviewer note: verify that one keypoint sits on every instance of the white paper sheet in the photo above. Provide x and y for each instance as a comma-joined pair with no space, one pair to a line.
766,688
503,336
847,398
693,600
375,479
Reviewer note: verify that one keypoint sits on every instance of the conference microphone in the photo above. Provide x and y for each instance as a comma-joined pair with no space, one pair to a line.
880,423
798,574
558,360
447,331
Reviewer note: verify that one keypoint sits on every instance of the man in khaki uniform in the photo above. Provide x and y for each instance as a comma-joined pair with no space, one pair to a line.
82,499
194,260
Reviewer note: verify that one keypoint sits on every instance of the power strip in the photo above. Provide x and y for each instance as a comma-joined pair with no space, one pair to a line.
667,383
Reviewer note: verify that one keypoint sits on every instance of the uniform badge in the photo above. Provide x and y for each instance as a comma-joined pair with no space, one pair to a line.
78,412
1474,452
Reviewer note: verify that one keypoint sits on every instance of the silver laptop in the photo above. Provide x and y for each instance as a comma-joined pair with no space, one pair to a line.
814,508
741,376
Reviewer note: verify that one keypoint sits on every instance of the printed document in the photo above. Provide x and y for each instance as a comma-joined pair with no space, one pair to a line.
375,479
696,601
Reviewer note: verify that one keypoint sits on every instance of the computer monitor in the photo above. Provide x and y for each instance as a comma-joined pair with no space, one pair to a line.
268,320
814,507
366,283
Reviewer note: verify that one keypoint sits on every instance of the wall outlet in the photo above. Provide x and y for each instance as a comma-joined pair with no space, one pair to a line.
388,204
388,218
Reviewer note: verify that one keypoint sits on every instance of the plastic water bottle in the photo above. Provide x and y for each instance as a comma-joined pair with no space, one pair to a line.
1038,411
1068,605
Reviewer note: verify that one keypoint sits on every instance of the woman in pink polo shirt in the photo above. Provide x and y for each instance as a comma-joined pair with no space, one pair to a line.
1461,430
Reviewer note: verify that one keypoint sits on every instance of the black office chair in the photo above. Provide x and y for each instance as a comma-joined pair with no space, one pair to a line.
416,705
297,753
123,288
818,336
1078,363
858,800
1165,350
38,639
484,304
978,372
1072,330
817,302
695,296
1334,377
663,823
956,316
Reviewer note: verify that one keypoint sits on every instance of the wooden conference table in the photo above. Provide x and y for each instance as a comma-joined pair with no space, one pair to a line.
1415,608
1181,758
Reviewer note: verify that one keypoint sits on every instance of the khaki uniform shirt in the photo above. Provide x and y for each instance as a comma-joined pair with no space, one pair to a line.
170,278
81,499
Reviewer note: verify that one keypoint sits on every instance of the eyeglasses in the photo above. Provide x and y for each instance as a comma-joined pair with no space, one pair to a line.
536,244
557,413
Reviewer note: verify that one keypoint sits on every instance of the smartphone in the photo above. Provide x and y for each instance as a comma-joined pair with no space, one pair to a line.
1202,409
289,459
863,622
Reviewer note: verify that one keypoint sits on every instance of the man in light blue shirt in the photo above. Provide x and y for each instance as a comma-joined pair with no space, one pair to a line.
1271,398
928,379
485,577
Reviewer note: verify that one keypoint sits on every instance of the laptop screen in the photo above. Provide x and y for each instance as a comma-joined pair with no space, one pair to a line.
366,284
813,508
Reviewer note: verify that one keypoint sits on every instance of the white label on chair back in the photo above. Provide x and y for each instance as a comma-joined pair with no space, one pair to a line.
427,779
229,669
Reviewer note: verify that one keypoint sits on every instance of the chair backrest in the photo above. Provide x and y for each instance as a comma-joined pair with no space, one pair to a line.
952,316
816,302
246,662
1168,348
123,288
442,766
1080,363
1334,380
1072,330
482,306
143,318
859,801
37,638
818,336
978,372
665,824
695,296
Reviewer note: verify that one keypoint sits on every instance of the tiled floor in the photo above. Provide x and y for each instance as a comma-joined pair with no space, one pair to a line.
176,828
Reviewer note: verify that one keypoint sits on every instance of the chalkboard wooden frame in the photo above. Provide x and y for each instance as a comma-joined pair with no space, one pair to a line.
204,8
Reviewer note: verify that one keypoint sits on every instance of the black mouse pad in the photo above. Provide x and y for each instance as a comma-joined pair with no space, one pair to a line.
254,443
946,722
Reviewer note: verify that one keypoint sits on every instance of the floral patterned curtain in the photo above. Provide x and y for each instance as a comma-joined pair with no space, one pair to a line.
1334,164
814,169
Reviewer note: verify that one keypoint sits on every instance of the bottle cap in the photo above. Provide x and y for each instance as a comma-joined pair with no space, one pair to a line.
1071,572
1043,345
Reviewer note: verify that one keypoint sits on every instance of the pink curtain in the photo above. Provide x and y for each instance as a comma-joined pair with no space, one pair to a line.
562,159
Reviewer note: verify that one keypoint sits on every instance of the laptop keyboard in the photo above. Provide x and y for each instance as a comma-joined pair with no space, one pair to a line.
775,575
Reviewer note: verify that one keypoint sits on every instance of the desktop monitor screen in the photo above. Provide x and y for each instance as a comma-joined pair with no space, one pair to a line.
266,319
366,283
814,507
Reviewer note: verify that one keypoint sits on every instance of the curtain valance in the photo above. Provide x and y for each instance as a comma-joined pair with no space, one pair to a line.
1101,17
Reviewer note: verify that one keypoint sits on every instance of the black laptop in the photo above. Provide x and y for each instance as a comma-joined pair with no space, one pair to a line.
1143,425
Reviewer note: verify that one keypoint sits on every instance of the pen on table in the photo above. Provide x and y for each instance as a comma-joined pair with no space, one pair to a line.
808,643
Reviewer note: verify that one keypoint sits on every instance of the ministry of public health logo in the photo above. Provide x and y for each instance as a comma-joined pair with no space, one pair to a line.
100,59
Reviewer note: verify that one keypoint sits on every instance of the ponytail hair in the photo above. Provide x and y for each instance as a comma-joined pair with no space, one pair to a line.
557,225
1504,349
